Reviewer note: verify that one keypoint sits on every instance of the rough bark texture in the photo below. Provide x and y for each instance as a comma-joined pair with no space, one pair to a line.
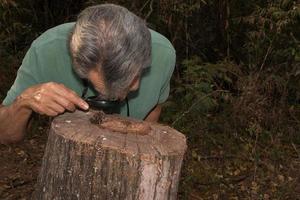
100,160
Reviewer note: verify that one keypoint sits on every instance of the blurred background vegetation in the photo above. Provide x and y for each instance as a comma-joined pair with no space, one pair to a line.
235,90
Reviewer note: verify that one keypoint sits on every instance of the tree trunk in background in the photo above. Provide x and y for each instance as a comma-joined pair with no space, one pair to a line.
96,156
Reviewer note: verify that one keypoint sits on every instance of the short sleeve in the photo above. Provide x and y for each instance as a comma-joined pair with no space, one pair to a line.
170,65
26,77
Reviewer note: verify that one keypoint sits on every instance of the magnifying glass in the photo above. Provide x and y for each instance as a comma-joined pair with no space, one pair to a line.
107,106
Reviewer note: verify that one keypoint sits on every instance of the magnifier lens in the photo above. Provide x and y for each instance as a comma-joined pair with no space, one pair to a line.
109,107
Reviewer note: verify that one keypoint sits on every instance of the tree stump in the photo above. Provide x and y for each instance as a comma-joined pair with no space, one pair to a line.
96,156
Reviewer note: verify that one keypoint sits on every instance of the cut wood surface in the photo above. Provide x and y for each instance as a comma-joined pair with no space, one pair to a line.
96,156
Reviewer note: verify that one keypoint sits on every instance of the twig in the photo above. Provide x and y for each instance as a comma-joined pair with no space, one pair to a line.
295,148
195,197
233,180
186,26
225,157
194,104
142,8
150,11
255,160
226,28
264,61
266,56
293,116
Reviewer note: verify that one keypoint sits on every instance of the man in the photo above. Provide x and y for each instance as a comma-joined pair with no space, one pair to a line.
111,48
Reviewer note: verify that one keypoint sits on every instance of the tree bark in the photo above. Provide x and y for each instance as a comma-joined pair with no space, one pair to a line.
96,156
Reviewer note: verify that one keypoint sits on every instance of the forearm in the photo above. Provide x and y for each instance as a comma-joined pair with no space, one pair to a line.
13,121
154,114
45,99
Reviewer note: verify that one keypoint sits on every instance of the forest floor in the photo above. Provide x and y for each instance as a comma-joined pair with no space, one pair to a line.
217,165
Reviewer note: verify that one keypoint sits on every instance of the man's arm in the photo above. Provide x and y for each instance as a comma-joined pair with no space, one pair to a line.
14,120
154,114
48,99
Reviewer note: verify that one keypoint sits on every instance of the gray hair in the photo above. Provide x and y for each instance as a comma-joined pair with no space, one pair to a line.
115,41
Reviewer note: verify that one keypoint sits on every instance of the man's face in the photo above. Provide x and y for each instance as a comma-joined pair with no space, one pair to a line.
96,78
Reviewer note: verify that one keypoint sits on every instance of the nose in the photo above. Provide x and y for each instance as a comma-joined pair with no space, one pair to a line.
122,98
121,95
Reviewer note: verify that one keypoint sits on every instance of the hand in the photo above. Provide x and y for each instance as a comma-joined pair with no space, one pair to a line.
51,99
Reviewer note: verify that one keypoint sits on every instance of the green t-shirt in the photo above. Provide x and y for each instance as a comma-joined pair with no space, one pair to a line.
48,60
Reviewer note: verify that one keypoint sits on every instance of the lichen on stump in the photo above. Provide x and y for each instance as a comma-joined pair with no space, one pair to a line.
96,156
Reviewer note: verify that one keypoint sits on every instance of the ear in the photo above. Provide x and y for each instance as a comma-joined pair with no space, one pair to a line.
135,84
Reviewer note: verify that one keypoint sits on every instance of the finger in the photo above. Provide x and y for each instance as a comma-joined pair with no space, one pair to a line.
50,96
51,113
56,108
65,103
42,110
72,96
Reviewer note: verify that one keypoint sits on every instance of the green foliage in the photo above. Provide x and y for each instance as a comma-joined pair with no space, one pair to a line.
200,79
266,46
14,30
271,35
202,89
23,20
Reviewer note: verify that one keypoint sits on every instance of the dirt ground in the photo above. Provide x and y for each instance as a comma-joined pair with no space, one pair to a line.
18,170
20,165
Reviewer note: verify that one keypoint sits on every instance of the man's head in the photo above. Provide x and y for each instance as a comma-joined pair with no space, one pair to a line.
110,46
